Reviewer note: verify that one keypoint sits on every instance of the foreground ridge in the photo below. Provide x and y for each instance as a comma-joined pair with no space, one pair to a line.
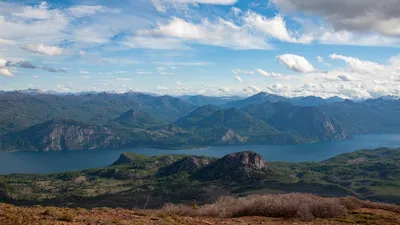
259,209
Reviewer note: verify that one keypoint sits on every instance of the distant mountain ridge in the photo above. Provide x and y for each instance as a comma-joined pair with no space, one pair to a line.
137,119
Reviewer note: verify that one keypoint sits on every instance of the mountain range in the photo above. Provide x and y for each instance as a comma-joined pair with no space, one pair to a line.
45,121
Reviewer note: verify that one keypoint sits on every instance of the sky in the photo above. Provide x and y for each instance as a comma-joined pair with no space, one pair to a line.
346,48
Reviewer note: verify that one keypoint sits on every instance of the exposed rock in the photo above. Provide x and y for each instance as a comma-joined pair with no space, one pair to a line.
167,160
124,158
238,167
188,164
247,159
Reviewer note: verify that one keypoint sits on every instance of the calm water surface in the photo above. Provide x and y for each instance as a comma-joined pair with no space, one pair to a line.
51,162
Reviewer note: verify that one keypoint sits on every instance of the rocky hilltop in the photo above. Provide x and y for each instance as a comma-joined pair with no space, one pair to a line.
245,166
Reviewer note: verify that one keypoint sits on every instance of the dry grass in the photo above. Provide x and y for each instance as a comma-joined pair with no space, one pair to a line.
302,206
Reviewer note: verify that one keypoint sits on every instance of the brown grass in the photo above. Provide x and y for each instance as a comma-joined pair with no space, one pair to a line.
303,206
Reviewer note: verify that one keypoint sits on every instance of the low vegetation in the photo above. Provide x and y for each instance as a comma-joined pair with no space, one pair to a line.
137,181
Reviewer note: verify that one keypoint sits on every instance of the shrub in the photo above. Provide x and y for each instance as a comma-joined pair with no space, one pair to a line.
303,206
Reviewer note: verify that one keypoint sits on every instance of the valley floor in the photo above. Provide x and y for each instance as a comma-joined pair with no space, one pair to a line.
13,215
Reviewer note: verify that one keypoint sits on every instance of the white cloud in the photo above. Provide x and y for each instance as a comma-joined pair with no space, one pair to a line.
252,89
268,74
179,84
221,33
84,72
177,63
81,52
120,72
149,42
6,72
239,71
7,42
296,63
35,12
274,27
45,49
359,66
3,62
161,5
238,78
86,10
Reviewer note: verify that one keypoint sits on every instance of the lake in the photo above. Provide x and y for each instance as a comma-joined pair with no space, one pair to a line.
61,161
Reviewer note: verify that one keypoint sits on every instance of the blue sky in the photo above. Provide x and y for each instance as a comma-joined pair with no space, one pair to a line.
347,48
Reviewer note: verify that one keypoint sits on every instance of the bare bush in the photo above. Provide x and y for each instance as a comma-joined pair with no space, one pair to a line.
303,206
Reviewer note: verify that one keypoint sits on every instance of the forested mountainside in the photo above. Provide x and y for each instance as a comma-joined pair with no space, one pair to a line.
43,122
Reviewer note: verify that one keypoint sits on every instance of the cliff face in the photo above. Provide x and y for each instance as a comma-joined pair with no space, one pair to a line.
61,134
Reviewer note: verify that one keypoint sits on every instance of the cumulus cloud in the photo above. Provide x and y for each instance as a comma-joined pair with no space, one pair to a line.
84,72
223,33
3,62
268,74
45,49
274,27
238,78
3,70
296,63
359,66
6,72
39,12
179,84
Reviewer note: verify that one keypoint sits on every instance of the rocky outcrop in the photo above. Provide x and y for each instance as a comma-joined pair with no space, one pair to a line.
124,158
188,164
239,167
247,159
